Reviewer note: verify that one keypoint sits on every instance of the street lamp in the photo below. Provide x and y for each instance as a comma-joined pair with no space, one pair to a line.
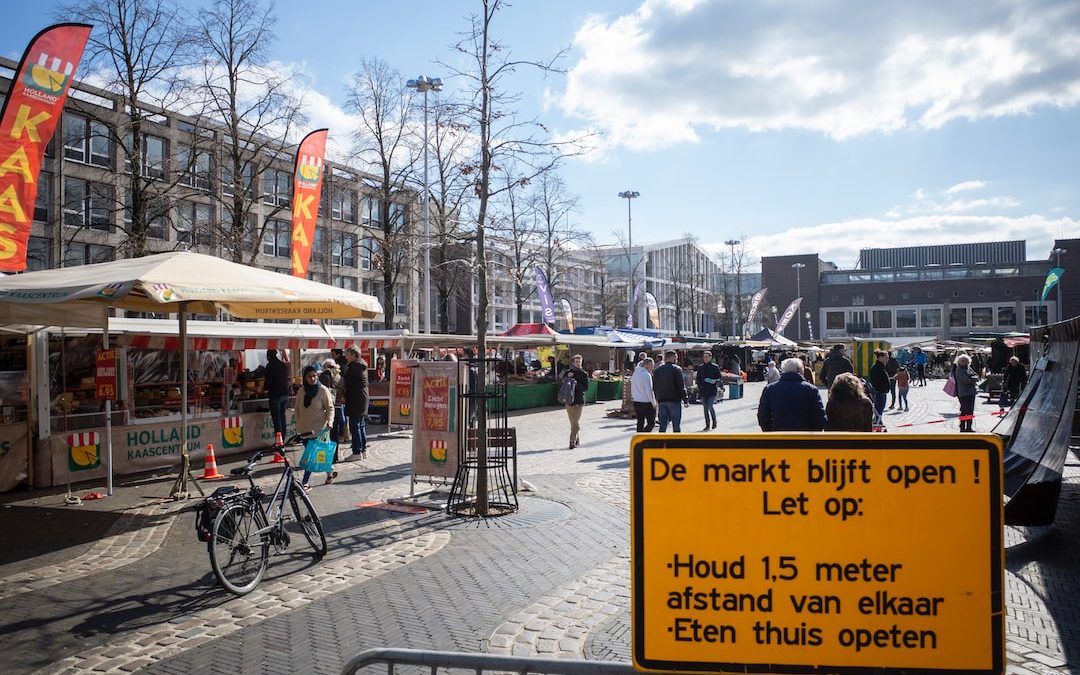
809,328
1057,252
425,84
775,321
734,296
720,311
798,288
629,196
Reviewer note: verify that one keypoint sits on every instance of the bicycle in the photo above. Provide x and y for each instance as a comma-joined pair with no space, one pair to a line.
242,533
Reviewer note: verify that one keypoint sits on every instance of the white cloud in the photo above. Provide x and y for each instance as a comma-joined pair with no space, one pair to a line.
966,186
656,76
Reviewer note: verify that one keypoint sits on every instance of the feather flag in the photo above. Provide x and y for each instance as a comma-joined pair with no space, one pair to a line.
790,312
568,314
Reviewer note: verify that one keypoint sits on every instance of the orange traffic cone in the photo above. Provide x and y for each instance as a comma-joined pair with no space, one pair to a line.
278,442
210,471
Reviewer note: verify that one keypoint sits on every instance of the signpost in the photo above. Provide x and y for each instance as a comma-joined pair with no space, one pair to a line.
839,553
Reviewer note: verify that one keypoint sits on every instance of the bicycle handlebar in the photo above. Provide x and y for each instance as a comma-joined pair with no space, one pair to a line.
274,449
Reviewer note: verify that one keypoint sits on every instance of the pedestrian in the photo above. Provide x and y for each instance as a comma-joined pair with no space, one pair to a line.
641,393
903,383
707,379
772,373
966,379
892,366
834,364
330,377
791,403
920,366
879,380
1013,381
573,410
670,392
276,384
849,408
356,399
380,369
314,414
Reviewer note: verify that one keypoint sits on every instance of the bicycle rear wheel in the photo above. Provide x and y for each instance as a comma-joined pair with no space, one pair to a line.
238,555
307,521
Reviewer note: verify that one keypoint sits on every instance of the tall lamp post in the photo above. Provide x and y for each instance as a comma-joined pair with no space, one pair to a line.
798,288
425,84
720,310
734,296
1057,252
629,196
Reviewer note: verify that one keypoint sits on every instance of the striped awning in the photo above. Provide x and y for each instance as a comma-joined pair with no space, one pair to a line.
224,344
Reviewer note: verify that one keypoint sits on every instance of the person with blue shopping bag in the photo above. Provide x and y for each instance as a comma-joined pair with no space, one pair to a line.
315,415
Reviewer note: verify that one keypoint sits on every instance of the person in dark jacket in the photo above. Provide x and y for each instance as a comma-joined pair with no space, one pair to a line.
891,367
356,399
966,379
708,382
834,364
1012,381
879,380
849,408
791,403
573,410
276,384
670,390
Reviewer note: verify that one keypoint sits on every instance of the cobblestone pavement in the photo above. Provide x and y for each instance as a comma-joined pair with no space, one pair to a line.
134,590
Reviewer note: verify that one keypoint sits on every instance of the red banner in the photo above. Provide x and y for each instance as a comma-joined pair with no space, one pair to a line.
29,118
307,188
105,375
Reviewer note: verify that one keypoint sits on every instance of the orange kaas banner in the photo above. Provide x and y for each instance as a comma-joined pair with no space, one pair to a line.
29,118
307,188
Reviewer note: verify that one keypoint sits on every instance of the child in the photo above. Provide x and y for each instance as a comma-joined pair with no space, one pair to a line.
903,381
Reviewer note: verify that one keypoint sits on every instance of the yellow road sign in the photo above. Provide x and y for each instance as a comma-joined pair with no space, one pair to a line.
840,553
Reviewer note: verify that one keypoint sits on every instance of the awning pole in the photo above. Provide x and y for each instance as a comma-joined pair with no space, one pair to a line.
108,420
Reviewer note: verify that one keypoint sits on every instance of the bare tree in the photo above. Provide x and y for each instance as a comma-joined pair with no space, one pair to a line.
734,261
551,206
256,107
383,141
517,237
137,49
610,294
501,138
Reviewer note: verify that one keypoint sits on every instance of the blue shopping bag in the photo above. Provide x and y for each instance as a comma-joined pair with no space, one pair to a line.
318,454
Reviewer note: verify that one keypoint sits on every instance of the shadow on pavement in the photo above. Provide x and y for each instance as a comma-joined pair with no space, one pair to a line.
54,529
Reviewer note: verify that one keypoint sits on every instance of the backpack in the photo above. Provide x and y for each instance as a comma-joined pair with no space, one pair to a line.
206,511
567,390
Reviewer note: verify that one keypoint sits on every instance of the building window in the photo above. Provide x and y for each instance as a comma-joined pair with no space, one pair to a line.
156,220
858,300
956,294
882,318
905,318
401,300
228,183
38,254
277,187
318,246
982,293
195,167
348,283
86,254
341,206
398,216
958,317
1006,316
87,204
372,212
982,316
343,249
43,202
834,320
930,318
193,223
276,238
1036,315
1008,291
929,295
152,153
86,140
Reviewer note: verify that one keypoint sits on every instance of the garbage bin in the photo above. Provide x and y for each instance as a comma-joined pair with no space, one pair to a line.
734,391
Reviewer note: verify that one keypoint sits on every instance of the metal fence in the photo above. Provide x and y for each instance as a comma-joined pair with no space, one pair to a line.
436,662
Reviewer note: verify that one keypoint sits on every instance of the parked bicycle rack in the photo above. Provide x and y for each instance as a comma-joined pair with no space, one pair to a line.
499,464
481,663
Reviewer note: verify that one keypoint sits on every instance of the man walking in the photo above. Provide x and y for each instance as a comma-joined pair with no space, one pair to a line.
641,393
276,383
791,403
708,380
834,364
573,409
891,368
356,399
670,391
879,380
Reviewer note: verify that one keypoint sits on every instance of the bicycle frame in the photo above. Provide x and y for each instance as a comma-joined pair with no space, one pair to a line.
278,499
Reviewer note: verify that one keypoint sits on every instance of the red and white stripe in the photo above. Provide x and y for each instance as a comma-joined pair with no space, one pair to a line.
83,439
232,422
224,344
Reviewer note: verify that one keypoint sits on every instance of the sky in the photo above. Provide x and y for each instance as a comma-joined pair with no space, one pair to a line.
820,126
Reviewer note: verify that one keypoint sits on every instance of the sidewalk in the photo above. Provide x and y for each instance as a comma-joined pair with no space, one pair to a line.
121,584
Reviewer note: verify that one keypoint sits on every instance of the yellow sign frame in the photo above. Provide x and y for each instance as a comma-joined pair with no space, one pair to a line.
946,570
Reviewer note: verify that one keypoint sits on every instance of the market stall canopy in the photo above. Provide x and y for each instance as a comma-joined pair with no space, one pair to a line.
624,338
767,335
169,282
236,335
529,329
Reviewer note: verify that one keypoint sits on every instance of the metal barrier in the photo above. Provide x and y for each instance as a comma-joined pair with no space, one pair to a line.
481,663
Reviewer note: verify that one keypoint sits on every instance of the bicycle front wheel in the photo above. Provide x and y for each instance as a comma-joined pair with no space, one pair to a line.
238,555
307,521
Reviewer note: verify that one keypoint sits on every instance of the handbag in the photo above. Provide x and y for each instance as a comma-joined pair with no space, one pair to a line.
950,386
319,453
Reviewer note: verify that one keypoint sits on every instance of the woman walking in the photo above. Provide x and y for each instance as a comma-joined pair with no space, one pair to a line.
849,408
314,414
965,390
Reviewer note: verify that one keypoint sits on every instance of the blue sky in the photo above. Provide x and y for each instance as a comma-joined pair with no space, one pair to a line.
815,126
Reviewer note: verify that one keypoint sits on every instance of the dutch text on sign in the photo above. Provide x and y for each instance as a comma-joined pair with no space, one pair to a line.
835,551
